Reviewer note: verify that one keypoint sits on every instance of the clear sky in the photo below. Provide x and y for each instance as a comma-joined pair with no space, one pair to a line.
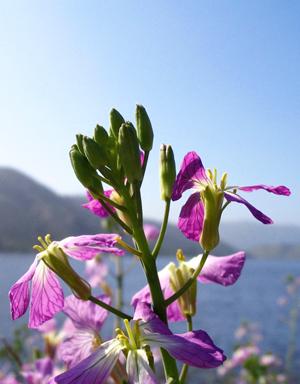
218,77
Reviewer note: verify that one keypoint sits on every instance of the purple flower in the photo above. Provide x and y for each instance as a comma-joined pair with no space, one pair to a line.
223,270
192,174
151,232
96,207
87,319
8,379
47,296
40,372
194,348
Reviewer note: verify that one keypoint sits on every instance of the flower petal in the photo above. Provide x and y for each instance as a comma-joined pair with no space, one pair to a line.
191,172
255,212
191,217
47,296
94,369
279,190
193,348
85,247
19,293
85,314
96,270
151,232
96,207
138,369
224,270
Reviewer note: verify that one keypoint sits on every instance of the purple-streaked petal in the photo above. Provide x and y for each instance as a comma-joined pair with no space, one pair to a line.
191,217
138,369
85,247
279,190
19,293
94,369
85,314
224,270
193,348
151,232
96,207
47,296
151,322
78,347
255,212
191,172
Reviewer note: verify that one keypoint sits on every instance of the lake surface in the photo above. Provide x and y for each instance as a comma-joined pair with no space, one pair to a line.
220,309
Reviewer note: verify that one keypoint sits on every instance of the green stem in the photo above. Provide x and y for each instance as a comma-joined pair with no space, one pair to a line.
119,283
185,367
109,308
111,202
187,285
163,229
116,217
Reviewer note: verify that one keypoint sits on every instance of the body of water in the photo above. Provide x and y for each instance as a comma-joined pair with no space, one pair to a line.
220,309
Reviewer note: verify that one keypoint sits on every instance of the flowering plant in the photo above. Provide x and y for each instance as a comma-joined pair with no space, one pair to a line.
111,166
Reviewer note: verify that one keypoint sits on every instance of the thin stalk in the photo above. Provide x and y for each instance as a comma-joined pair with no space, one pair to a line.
187,285
163,229
120,283
185,367
128,248
115,217
109,308
111,202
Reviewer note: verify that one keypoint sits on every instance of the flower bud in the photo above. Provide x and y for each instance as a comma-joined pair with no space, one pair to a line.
57,261
79,138
83,170
116,120
94,152
167,171
100,135
144,128
129,152
212,200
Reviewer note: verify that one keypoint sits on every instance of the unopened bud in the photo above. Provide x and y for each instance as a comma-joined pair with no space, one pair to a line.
116,120
57,261
94,153
100,135
79,138
167,171
144,128
129,152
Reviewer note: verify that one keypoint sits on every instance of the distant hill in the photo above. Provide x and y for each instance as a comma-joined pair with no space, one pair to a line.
29,209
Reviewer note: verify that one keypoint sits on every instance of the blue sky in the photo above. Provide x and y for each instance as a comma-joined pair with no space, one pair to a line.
218,77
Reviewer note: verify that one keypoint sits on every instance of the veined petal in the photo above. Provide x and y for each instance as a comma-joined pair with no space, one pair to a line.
191,217
47,296
279,190
191,172
85,314
255,212
96,207
85,247
193,348
138,369
94,369
224,270
19,293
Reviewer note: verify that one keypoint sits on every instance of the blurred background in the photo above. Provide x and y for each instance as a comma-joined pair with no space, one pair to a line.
218,77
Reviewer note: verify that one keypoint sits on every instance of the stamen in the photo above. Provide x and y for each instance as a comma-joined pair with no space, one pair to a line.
130,333
179,255
42,241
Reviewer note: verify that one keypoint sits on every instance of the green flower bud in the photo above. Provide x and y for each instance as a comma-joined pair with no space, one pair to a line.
167,171
83,170
57,261
129,152
79,138
94,152
100,135
116,120
212,200
144,128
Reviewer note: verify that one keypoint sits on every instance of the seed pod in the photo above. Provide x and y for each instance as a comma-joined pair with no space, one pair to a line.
144,128
129,152
167,171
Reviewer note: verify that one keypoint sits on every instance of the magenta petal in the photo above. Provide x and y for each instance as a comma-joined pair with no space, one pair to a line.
47,297
255,212
85,314
85,247
151,232
19,293
191,217
224,270
279,190
94,369
96,207
191,171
